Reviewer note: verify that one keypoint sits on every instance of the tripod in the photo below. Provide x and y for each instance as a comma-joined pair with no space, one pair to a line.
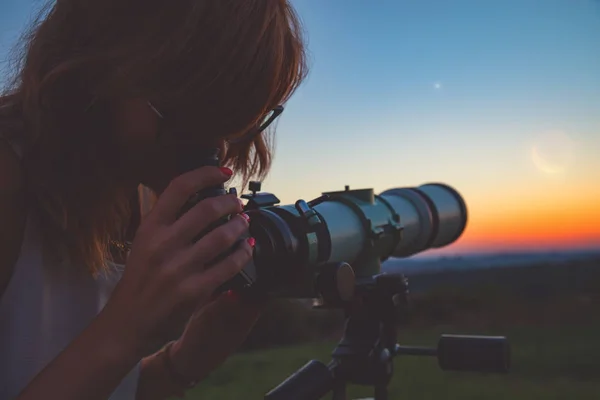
364,355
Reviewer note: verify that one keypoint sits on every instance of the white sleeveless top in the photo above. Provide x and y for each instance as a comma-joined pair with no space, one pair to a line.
41,313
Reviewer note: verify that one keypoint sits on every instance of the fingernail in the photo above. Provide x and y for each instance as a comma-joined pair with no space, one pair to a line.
246,217
226,171
232,295
251,242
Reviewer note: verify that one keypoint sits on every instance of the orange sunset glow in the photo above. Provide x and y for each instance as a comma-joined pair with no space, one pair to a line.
561,220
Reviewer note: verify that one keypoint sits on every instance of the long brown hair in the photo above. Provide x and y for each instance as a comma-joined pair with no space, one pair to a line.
226,61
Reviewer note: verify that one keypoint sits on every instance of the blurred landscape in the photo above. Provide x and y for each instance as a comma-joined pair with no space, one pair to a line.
545,303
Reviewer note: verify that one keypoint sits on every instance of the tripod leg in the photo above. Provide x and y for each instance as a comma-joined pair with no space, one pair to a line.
381,392
339,391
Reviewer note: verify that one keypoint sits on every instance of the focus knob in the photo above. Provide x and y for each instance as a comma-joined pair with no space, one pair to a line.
336,283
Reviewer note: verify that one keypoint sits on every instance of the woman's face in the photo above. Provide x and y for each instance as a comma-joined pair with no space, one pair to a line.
147,154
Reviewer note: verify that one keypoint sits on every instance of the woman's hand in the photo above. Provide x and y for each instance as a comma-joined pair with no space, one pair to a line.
213,334
164,282
166,277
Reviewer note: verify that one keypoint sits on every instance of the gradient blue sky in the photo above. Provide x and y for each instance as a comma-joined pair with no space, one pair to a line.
500,99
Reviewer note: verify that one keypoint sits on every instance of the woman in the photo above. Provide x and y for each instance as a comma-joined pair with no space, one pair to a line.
111,96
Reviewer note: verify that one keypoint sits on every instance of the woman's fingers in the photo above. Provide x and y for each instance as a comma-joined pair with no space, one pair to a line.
217,241
200,216
171,201
205,282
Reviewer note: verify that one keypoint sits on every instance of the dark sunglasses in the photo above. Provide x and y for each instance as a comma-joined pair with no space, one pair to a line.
248,137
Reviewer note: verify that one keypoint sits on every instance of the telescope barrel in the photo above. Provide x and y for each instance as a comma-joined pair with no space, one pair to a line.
357,227
347,233
432,215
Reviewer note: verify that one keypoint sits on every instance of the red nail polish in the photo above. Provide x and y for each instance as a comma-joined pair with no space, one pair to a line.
246,217
226,171
232,295
251,242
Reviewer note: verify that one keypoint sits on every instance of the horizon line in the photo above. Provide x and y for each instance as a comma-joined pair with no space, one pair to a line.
442,253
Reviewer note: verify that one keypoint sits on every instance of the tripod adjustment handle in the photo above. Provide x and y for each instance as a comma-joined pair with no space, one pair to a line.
474,353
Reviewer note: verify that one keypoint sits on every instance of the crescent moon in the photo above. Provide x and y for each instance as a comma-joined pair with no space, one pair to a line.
544,165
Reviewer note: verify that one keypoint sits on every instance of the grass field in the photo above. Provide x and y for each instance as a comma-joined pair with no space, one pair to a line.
556,363
554,336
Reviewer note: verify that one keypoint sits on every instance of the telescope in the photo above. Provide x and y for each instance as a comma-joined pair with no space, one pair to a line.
331,249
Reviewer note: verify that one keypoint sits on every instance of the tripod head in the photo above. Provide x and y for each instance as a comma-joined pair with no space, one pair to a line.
364,355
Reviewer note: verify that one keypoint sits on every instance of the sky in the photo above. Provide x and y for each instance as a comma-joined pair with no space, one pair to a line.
498,99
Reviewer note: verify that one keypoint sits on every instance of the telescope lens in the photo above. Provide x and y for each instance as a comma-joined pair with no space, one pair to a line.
433,215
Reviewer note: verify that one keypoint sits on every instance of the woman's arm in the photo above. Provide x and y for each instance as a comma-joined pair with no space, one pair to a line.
215,332
98,359
92,365
155,382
